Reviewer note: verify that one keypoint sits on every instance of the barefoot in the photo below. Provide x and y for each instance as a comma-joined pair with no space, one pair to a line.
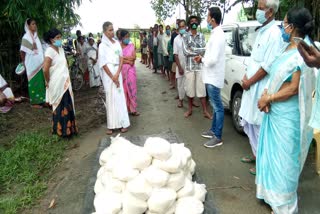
187,114
109,132
123,130
36,106
207,115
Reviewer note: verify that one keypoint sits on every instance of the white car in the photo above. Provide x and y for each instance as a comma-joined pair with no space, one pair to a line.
240,38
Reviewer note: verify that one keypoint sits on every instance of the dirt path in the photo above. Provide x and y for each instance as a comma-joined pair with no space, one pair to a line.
226,177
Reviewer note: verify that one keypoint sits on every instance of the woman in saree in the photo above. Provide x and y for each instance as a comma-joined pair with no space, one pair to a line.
110,64
59,90
129,73
6,96
285,135
32,56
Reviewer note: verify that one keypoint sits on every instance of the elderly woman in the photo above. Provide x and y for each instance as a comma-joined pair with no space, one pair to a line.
58,84
92,54
110,64
129,73
285,136
32,56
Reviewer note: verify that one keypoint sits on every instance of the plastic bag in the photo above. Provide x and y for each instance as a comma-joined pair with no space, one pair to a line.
108,203
158,148
189,205
155,177
139,188
161,200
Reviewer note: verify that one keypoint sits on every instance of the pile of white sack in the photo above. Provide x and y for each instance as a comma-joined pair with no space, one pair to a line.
154,179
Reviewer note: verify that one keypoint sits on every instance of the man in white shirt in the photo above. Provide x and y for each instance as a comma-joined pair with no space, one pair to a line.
267,46
165,41
160,49
180,60
213,75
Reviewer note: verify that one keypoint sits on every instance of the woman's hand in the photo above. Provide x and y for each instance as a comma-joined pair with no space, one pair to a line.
264,102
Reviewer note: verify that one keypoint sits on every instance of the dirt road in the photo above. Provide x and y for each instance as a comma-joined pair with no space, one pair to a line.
227,179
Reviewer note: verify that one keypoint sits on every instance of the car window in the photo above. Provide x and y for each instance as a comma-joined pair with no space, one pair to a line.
229,41
247,36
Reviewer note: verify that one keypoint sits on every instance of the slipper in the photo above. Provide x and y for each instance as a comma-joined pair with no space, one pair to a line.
187,114
180,105
248,159
252,171
135,114
109,132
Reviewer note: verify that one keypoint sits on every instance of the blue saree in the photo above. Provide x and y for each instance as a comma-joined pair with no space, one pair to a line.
284,136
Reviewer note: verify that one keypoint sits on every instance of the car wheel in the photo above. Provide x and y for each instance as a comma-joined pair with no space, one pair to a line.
235,107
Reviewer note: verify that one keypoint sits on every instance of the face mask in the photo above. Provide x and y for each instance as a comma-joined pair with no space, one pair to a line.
194,26
182,31
58,43
209,26
126,41
285,36
168,32
261,16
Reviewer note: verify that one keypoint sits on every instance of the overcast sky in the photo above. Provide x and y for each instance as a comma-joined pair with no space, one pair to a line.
125,14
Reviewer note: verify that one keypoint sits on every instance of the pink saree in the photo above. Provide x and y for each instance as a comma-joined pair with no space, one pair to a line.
129,80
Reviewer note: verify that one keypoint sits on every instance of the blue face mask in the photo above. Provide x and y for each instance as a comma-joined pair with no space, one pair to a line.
58,43
182,31
285,36
126,41
261,16
209,26
168,32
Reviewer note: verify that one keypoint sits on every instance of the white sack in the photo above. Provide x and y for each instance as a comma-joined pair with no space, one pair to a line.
123,172
189,205
155,177
139,158
98,186
200,191
108,203
111,184
176,181
139,188
192,166
172,165
187,190
161,200
133,205
105,156
158,148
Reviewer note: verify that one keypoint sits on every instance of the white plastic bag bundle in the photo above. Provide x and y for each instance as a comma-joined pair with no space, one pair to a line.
133,205
176,181
172,165
189,205
98,186
192,166
161,200
108,203
124,172
121,145
105,156
139,188
110,184
200,191
187,190
158,148
155,177
139,158
185,153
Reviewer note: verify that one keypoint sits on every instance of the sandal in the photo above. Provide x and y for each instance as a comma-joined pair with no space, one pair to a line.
248,159
109,132
135,113
252,171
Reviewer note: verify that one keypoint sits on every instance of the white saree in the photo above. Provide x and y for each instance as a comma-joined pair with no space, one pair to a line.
117,113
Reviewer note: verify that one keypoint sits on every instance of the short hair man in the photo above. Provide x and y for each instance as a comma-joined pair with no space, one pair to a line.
194,85
180,60
213,75
267,45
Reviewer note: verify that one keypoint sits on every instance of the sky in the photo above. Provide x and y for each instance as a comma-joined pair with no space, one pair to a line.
125,14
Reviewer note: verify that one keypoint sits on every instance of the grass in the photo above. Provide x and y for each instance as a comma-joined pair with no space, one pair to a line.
25,168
